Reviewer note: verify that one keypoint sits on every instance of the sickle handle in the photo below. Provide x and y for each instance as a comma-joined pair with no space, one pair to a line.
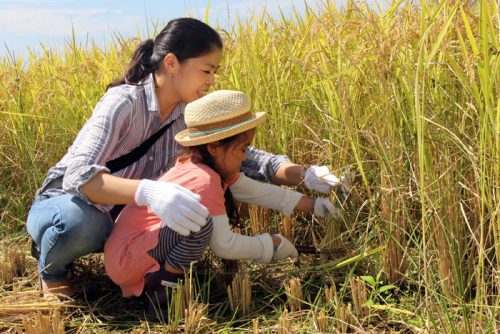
306,249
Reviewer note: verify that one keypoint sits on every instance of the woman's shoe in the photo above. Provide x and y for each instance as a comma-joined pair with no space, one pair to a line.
61,289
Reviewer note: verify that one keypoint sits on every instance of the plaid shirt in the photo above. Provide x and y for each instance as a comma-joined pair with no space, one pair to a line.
123,119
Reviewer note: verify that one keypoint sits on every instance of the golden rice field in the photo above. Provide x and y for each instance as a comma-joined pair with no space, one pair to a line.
408,97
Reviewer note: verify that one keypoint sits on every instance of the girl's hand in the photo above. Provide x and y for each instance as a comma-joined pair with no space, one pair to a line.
176,206
285,248
323,208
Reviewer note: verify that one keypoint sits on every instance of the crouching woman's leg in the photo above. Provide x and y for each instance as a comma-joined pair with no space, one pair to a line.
175,253
65,228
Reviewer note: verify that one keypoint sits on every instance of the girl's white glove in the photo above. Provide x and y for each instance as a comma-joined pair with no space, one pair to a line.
323,207
319,178
285,249
176,206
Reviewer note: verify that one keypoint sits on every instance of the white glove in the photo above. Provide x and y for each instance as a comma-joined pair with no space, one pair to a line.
323,207
347,179
285,249
320,178
176,206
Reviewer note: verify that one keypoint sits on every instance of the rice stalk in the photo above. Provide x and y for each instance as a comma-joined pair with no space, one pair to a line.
321,321
255,326
195,317
331,296
12,263
240,293
284,323
287,227
392,213
344,318
332,237
259,217
43,323
359,296
293,289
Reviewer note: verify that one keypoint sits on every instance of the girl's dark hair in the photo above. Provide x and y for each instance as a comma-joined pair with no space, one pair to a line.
184,37
205,158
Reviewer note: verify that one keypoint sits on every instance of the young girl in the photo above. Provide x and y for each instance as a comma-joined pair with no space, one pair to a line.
143,251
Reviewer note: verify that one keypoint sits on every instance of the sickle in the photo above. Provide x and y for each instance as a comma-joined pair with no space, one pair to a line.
304,249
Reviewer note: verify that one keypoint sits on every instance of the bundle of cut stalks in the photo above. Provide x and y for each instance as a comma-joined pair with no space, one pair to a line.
284,323
259,217
255,323
331,296
43,324
332,241
344,318
195,317
359,296
240,293
321,321
294,294
12,263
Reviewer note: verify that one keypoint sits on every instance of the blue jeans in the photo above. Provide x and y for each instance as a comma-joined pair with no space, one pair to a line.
65,228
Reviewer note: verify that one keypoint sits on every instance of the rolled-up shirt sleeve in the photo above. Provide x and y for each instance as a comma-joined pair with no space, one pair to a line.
97,142
261,165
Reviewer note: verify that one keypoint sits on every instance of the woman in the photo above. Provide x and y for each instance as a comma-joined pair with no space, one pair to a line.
70,216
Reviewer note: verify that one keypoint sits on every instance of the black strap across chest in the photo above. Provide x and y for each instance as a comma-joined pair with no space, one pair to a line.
126,160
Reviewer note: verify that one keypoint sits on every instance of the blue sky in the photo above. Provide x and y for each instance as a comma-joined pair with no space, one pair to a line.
28,23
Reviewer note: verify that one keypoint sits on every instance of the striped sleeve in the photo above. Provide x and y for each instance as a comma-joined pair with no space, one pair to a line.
261,165
96,142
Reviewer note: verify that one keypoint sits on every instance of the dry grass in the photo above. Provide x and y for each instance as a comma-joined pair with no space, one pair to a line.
12,263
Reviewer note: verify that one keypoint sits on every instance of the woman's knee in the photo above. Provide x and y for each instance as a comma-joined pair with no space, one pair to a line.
85,222
69,218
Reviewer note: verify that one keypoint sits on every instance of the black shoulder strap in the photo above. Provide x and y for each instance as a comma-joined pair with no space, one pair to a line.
126,160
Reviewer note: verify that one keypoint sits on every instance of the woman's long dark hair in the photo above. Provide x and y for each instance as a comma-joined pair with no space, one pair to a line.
184,37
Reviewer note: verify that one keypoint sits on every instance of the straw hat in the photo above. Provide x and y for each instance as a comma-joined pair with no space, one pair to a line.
215,116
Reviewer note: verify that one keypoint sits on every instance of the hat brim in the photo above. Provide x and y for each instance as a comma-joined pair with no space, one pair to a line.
185,139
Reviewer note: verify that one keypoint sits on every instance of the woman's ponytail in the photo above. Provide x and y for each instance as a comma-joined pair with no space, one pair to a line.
139,67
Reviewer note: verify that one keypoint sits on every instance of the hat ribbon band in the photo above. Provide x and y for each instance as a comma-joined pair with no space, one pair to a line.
206,132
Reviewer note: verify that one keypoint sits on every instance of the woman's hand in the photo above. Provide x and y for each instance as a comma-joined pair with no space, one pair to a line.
319,178
176,206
